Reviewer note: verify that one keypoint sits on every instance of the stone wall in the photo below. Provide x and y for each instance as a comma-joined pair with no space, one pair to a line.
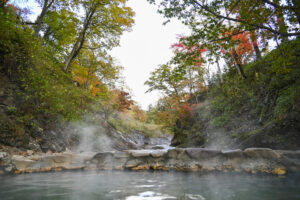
252,160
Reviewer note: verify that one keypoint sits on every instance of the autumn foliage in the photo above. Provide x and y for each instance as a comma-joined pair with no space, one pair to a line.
243,47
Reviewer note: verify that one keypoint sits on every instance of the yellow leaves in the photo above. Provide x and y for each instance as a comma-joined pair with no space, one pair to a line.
82,76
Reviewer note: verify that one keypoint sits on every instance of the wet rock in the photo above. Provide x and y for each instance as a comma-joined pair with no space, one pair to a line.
200,153
261,153
104,160
141,167
187,168
279,171
22,162
133,163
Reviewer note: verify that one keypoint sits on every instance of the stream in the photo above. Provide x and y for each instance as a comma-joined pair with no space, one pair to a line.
144,185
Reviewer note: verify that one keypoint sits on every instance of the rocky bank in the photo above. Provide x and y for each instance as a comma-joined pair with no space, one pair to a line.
251,160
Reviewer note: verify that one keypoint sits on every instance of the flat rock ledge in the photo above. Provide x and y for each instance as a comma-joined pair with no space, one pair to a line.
251,160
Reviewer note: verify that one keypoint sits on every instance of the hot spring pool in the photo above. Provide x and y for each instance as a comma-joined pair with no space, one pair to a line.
106,185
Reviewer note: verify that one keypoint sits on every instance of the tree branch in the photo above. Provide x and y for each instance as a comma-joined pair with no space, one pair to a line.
206,8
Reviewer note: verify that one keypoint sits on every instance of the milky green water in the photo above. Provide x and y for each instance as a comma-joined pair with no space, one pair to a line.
147,185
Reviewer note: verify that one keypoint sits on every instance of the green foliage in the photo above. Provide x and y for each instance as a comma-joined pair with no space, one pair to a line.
127,124
270,92
46,89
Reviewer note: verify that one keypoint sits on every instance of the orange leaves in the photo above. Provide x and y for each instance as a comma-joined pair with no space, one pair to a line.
242,50
87,79
244,45
121,100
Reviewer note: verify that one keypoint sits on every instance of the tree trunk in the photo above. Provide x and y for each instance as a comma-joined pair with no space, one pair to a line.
238,64
280,21
40,18
255,45
220,73
297,9
80,41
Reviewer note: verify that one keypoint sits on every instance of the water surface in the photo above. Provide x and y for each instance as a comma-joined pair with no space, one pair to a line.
106,185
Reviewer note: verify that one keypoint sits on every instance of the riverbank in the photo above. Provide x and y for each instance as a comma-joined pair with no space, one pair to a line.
251,160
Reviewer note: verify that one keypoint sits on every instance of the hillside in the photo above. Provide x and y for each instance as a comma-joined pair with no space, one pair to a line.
260,111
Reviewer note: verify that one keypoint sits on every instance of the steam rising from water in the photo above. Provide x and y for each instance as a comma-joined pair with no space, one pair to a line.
91,138
219,141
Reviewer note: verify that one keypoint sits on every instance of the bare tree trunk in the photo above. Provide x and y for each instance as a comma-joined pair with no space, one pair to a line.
236,57
220,73
255,45
81,38
40,18
238,64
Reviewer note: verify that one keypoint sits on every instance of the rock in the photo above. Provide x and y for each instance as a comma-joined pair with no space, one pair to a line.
237,153
157,147
172,153
120,154
141,167
103,155
29,152
187,168
202,154
61,158
279,171
49,152
22,162
139,153
132,163
3,155
261,153
207,168
289,154
177,153
10,168
105,160
158,153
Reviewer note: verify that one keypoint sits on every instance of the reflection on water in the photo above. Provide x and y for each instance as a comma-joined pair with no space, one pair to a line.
146,186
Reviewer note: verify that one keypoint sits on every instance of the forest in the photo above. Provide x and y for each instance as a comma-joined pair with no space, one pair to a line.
235,78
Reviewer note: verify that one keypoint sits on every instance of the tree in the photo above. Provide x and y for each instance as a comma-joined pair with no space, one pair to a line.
101,26
46,5
208,19
116,100
241,52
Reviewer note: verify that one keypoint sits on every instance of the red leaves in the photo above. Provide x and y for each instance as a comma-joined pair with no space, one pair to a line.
243,46
195,51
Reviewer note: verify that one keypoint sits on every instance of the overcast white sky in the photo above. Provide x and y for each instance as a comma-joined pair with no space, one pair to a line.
145,47
142,49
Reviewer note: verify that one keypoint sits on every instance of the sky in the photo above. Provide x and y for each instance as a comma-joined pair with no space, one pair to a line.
146,47
142,49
